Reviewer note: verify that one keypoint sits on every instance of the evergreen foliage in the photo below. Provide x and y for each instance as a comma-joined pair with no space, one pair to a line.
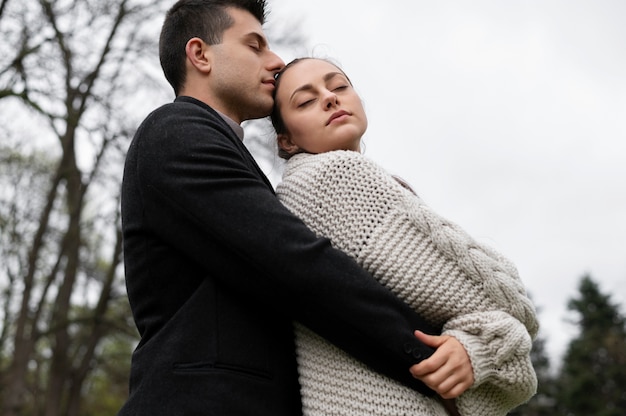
593,376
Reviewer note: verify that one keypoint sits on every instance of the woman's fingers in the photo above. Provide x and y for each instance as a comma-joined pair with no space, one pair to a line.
448,371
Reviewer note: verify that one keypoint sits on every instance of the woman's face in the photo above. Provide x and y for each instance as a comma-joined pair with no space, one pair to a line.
320,109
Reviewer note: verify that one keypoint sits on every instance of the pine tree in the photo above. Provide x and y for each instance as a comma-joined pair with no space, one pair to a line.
593,376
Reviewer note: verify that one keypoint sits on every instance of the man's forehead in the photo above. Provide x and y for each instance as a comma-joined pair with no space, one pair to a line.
245,25
244,20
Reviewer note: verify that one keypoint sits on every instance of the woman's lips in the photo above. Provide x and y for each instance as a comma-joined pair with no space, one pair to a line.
336,115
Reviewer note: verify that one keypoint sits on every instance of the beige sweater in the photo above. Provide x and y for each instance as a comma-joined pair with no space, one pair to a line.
434,266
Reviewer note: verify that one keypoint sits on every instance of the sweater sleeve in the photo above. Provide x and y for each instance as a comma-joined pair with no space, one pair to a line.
429,262
499,349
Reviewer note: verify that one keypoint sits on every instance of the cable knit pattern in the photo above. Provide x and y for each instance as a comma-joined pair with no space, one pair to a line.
434,266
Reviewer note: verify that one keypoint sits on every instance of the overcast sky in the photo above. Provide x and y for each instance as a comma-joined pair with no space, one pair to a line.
507,117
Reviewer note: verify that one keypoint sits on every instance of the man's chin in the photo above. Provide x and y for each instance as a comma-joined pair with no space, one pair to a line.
263,110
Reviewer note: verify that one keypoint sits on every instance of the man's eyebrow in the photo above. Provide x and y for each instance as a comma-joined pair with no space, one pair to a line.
307,87
256,36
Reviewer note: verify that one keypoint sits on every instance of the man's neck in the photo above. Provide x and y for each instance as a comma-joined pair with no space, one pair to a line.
232,123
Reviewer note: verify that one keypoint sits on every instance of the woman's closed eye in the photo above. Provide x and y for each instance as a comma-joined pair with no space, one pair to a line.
305,102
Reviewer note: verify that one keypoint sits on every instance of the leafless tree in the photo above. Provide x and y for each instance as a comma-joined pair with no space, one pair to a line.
76,78
70,72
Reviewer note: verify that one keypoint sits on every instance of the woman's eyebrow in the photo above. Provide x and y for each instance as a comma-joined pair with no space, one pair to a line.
307,87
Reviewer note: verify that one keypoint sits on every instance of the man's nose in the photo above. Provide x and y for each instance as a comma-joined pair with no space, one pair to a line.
274,63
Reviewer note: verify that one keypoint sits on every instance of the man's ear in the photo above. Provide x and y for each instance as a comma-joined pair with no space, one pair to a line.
285,143
198,54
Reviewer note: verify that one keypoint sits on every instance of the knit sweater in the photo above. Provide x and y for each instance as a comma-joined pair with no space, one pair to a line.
453,281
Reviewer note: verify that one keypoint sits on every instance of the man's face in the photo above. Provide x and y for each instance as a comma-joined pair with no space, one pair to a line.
243,68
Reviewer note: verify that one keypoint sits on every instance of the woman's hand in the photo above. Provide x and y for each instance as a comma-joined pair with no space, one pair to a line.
449,370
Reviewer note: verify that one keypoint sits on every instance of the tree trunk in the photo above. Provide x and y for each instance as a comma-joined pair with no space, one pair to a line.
98,332
61,366
14,381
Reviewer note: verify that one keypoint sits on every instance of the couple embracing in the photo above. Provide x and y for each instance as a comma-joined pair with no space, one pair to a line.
341,293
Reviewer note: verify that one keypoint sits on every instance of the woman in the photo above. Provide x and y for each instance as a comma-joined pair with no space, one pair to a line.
470,290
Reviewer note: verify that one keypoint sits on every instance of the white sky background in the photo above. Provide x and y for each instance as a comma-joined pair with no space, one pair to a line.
507,117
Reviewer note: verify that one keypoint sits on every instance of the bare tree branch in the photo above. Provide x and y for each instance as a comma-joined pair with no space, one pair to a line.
65,106
70,74
2,7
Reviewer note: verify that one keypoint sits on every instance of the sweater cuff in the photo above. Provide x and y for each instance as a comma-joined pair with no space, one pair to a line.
490,339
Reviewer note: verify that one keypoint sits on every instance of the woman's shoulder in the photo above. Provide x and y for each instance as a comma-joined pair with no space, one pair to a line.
333,160
326,157
338,170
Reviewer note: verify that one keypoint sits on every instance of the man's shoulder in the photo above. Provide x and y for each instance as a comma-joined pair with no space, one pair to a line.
181,107
179,117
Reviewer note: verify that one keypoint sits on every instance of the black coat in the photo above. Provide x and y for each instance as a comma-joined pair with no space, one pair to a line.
217,269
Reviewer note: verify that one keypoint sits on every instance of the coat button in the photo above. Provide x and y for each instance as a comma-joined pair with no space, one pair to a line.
408,348
417,354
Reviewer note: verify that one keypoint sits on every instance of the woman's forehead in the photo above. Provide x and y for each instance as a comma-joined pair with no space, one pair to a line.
311,67
305,72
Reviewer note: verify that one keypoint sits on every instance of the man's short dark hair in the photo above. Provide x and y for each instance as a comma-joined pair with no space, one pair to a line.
205,19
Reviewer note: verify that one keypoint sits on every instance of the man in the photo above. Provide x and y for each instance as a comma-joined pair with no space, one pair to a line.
216,267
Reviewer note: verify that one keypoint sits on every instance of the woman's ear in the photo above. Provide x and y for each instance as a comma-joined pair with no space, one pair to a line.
198,54
285,143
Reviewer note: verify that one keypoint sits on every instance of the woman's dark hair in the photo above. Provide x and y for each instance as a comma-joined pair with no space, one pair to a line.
276,118
205,19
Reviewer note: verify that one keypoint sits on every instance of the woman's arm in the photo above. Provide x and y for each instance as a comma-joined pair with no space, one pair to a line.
428,261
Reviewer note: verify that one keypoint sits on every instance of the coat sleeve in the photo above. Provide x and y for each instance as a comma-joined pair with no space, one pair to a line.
201,194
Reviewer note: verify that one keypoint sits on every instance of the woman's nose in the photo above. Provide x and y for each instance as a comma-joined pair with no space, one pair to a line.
330,99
